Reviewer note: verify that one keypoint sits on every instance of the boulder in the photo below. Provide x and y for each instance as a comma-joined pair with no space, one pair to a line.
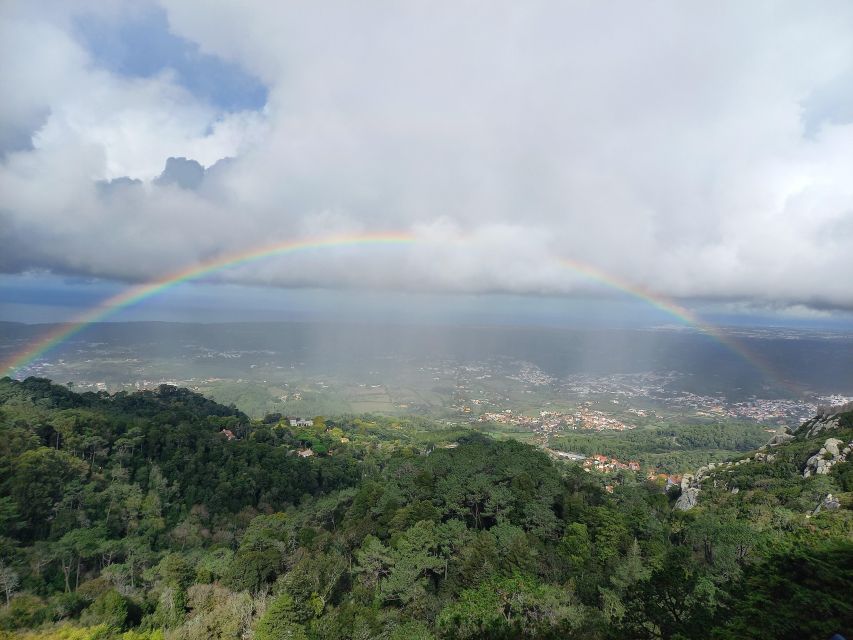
819,424
780,438
830,454
831,446
688,499
829,503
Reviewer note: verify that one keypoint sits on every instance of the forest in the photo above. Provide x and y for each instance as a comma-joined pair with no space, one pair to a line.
161,515
672,448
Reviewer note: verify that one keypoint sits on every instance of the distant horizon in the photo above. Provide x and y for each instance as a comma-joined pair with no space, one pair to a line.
55,300
672,326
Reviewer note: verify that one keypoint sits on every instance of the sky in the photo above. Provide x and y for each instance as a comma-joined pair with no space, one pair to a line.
700,151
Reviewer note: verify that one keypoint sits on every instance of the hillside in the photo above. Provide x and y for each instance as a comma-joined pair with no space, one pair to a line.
165,515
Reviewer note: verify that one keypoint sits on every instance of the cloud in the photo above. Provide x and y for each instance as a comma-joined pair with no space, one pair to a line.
699,151
187,174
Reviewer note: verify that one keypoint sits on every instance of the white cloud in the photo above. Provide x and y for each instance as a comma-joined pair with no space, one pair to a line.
665,143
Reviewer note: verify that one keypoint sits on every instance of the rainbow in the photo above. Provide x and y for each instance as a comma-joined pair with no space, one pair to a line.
139,293
682,314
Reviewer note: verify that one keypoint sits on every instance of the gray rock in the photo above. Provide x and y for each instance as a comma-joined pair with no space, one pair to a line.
827,456
688,499
829,503
820,424
831,446
780,438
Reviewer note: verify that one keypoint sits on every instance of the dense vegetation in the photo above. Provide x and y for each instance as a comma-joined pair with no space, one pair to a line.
669,447
135,516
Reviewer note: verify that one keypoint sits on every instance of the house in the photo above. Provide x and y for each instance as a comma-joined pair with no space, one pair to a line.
305,453
228,434
633,465
300,422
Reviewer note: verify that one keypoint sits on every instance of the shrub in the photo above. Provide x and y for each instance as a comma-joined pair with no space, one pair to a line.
24,611
111,609
67,605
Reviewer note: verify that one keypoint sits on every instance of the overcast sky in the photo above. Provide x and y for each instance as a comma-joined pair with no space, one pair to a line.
703,150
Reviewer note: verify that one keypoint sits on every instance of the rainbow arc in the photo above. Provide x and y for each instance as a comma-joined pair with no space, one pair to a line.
138,294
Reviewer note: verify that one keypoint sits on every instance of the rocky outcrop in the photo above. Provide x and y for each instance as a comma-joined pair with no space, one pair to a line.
691,484
829,503
831,453
688,499
827,418
817,426
781,438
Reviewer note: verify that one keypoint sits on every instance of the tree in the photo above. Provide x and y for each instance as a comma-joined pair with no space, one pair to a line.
374,562
413,630
9,518
176,571
813,583
576,547
516,607
676,601
75,547
9,581
280,621
40,478
251,570
415,558
312,581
